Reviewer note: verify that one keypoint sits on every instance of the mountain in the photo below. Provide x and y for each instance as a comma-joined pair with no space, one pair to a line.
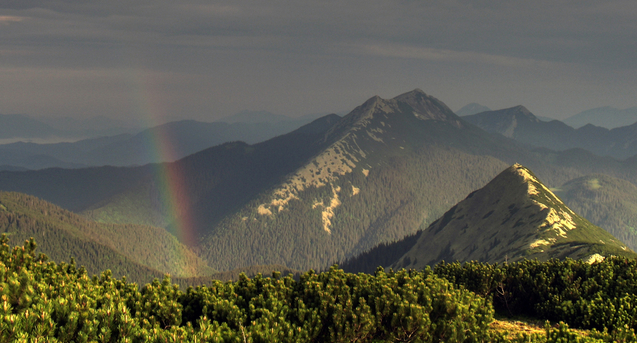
471,108
91,126
607,117
163,143
513,217
327,191
520,124
16,160
29,155
19,127
608,202
517,122
184,138
125,249
381,164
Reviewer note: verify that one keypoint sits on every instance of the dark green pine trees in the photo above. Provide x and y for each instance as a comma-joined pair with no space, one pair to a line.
41,301
59,302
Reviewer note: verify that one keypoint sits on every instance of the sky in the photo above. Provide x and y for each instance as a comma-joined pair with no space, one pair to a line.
203,60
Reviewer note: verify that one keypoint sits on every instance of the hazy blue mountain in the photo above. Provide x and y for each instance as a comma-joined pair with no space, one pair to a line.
19,127
471,108
183,138
163,143
608,117
12,159
88,124
520,124
62,155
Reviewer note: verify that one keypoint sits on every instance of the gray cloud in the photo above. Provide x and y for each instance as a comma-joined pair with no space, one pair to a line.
206,59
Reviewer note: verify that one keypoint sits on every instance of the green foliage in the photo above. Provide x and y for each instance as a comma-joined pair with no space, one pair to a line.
59,302
44,301
599,295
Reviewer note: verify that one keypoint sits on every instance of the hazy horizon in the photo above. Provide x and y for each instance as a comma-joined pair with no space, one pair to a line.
156,61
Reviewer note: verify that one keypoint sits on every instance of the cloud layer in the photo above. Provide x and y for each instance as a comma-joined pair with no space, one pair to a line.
207,59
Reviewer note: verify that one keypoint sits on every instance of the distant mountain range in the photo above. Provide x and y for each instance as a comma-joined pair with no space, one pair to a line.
163,143
513,217
520,124
607,117
325,192
19,127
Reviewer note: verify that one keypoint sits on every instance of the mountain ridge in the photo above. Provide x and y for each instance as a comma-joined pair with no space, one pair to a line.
322,193
606,116
520,124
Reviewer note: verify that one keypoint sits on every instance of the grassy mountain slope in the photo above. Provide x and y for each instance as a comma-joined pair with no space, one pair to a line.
607,202
513,217
140,252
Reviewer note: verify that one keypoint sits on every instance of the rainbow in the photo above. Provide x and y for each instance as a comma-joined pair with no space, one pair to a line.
168,177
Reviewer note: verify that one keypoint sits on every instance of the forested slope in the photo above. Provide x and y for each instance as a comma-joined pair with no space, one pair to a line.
141,252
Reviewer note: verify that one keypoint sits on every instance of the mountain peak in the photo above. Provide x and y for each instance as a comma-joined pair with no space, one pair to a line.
505,121
514,216
420,106
426,107
523,110
412,93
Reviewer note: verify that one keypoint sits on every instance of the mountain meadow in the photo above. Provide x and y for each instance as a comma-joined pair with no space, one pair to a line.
397,222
